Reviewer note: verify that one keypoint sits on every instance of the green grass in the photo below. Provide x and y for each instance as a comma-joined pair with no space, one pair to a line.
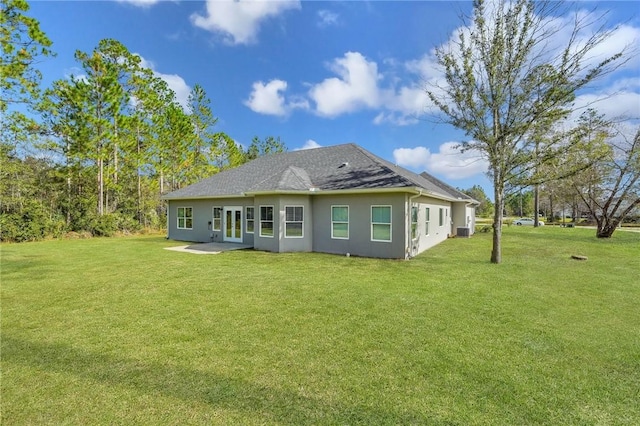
120,331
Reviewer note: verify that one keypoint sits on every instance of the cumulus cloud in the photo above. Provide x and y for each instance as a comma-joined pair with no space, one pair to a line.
448,161
267,98
309,144
174,81
355,87
238,22
358,86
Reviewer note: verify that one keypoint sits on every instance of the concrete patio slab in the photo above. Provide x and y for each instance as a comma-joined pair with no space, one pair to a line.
209,248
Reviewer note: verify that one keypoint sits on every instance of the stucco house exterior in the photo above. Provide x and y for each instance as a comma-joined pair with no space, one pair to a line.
338,199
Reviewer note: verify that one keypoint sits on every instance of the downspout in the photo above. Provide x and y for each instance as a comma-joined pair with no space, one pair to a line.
408,252
167,221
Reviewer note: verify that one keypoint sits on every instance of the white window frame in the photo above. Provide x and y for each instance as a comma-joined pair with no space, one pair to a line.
272,221
339,222
390,224
252,219
287,222
441,217
414,225
213,216
184,217
427,219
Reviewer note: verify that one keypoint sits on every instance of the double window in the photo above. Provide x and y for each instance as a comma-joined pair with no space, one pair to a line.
217,219
249,217
381,223
266,221
293,221
340,222
185,217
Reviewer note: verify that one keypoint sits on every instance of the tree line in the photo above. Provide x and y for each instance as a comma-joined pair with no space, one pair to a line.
95,152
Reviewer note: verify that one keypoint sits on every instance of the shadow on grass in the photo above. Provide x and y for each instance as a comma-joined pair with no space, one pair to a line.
195,386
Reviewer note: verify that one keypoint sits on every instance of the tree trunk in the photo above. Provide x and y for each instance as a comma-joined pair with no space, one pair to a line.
536,206
498,192
100,186
607,229
139,173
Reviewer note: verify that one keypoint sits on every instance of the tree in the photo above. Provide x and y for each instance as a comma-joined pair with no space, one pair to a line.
268,145
502,82
610,189
485,208
230,153
520,203
203,147
23,43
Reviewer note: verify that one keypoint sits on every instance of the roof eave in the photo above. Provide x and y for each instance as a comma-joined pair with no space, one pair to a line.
203,197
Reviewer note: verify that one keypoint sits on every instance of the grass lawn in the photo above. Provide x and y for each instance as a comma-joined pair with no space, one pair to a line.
120,331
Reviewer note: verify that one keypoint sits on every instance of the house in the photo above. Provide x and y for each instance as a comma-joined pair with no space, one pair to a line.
338,199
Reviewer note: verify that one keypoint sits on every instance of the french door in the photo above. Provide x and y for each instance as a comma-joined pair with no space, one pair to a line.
233,224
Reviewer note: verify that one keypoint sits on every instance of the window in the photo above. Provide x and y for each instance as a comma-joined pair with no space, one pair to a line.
441,218
340,222
217,218
293,222
414,222
427,213
250,219
381,223
185,217
266,221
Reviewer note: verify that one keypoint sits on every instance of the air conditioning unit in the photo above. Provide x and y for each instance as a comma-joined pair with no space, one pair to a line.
463,232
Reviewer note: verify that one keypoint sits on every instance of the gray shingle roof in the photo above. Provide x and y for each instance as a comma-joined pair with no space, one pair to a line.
340,167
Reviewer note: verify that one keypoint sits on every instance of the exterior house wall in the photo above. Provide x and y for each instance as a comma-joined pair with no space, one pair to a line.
317,223
304,243
359,242
261,242
202,228
463,216
436,232
471,219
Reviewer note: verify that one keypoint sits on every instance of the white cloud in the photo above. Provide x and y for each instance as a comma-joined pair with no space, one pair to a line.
309,144
140,3
622,104
327,18
238,22
448,162
395,118
174,81
356,87
267,98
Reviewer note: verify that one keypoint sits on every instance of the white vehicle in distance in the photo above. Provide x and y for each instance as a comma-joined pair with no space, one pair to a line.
526,221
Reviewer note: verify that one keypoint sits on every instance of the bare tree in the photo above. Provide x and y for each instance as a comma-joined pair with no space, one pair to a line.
505,77
610,189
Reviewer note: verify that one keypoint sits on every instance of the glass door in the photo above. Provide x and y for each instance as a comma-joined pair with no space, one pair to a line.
233,224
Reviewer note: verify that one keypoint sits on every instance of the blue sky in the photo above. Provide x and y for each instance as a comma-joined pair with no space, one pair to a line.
315,73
